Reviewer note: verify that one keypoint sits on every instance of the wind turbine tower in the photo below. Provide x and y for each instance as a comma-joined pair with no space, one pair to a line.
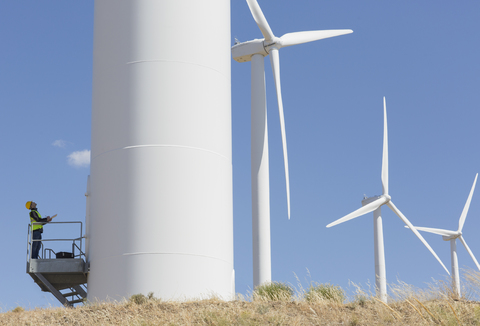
255,51
160,193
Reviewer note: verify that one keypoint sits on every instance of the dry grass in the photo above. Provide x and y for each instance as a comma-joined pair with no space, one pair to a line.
407,306
215,312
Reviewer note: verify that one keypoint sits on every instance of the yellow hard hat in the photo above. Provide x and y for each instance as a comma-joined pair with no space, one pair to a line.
27,205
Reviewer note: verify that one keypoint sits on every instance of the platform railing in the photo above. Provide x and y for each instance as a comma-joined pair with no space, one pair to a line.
77,243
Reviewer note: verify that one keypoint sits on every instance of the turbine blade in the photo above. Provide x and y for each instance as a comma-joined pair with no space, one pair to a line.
305,37
260,20
407,222
443,232
361,211
467,206
470,252
385,150
275,61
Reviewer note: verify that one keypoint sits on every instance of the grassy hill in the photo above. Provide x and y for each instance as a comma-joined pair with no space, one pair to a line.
320,304
215,312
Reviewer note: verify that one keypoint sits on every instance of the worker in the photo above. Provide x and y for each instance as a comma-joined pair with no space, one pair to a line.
37,229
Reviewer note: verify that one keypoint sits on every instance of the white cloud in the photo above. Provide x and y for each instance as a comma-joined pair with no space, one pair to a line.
60,143
79,159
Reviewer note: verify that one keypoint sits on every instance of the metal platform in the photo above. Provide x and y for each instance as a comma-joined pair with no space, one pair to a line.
65,278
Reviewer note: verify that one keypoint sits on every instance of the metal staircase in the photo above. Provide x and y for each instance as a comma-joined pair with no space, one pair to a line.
65,278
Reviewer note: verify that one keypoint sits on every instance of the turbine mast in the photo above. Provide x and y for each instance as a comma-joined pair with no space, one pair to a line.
161,212
261,246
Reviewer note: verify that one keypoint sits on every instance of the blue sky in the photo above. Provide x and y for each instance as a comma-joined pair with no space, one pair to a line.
422,56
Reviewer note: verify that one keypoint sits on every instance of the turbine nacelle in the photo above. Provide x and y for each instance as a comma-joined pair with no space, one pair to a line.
243,52
369,200
451,237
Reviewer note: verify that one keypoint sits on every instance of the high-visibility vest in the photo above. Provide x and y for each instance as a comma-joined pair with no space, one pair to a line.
32,220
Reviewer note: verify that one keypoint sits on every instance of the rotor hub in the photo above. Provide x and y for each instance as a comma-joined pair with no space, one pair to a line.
451,237
274,43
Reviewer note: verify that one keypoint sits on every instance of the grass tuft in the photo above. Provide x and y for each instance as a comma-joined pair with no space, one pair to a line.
18,309
324,292
141,299
273,291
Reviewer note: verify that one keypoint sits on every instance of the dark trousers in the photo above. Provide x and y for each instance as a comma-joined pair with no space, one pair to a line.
36,245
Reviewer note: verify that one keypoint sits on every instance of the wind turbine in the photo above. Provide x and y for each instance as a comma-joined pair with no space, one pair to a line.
255,51
452,236
374,204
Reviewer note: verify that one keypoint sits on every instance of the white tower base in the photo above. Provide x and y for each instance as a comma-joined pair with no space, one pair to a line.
161,211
